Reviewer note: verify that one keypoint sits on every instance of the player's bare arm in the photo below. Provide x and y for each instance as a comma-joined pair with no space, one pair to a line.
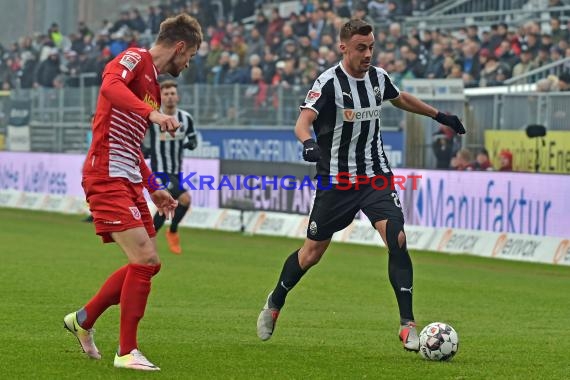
311,150
410,103
304,123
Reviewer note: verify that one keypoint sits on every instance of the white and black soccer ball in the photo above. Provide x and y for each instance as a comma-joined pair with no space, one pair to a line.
438,341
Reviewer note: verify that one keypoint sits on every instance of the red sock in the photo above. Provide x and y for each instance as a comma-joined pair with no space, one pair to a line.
134,295
108,295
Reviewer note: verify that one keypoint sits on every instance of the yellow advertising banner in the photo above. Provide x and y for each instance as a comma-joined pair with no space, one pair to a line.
553,150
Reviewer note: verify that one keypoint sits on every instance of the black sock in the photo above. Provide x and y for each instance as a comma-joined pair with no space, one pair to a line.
401,276
158,221
290,276
178,215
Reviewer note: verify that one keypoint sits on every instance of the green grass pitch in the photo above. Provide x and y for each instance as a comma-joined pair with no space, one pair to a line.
340,322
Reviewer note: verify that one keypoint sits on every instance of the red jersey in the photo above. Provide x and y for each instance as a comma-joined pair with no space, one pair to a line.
129,93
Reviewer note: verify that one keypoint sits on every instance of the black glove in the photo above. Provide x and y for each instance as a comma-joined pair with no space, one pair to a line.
451,121
191,144
311,151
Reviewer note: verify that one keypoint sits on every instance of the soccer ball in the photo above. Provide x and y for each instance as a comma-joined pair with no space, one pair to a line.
438,341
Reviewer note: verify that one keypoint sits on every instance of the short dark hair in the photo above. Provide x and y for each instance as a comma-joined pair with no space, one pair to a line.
168,84
353,27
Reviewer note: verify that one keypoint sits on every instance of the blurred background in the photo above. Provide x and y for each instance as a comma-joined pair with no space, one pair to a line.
503,66
500,64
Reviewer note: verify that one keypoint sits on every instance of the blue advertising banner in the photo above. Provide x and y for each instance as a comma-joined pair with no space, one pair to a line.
272,145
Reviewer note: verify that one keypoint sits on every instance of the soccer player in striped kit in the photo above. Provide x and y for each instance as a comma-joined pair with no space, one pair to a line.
166,158
114,175
344,109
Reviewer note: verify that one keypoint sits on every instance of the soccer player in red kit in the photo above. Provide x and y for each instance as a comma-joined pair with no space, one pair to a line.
115,173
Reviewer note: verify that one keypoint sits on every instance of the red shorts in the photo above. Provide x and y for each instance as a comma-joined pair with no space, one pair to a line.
117,205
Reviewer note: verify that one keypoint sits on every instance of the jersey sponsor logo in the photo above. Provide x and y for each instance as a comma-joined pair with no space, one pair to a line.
312,97
136,213
148,99
361,114
130,61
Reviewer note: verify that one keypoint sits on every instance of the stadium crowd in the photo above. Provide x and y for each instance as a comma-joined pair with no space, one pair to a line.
292,51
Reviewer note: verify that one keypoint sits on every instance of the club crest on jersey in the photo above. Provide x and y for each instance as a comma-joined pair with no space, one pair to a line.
136,213
377,92
312,97
130,60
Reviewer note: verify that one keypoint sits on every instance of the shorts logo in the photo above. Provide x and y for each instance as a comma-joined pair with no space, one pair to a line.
136,213
130,61
313,228
312,97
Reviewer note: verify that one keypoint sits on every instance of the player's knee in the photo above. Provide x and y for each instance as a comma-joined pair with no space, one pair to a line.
311,254
146,254
395,236
185,199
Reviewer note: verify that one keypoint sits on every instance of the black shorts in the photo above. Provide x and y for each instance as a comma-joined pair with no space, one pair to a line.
174,187
333,210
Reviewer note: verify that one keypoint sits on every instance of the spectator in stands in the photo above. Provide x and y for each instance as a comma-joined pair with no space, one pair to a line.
543,57
72,68
442,147
533,43
155,17
255,42
545,41
493,74
464,160
261,24
556,32
471,64
257,96
273,27
498,34
526,64
414,64
235,74
123,23
55,34
197,72
395,31
28,70
220,70
505,55
378,10
482,161
48,70
341,9
485,40
473,33
506,161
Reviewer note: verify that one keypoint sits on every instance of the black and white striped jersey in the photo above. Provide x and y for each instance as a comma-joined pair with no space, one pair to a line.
167,151
347,126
